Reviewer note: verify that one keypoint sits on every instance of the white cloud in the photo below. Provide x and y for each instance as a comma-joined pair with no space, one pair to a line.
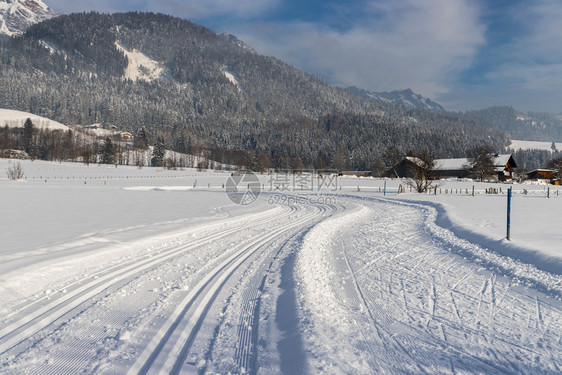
396,45
528,70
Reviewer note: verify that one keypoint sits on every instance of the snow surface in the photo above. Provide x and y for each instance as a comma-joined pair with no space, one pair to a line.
122,270
16,119
141,67
232,78
533,145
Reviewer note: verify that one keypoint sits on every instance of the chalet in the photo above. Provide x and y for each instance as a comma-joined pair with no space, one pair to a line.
125,136
542,174
504,165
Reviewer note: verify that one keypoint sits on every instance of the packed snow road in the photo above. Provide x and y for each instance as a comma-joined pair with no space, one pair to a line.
342,285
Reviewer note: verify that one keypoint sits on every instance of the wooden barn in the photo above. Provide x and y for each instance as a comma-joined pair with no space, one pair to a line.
402,169
542,174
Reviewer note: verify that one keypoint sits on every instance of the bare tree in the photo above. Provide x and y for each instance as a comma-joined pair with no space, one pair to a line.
15,172
422,164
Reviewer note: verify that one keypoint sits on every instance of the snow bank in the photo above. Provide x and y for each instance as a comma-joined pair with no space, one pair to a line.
535,228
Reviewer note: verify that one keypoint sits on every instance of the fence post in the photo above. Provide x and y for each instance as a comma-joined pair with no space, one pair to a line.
384,187
508,236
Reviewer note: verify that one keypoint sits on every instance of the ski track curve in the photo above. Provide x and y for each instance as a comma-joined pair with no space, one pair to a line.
379,288
400,295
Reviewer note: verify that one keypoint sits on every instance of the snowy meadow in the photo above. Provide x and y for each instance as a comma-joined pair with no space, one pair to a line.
116,270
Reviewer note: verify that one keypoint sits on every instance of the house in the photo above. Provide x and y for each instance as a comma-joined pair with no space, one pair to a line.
125,136
504,165
542,174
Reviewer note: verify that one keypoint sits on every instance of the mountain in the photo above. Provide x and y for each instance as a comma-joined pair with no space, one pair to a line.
407,98
17,15
194,89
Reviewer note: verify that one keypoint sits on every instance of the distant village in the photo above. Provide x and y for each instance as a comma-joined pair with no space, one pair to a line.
504,169
113,132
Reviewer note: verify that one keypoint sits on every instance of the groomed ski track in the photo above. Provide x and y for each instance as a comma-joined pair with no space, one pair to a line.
358,286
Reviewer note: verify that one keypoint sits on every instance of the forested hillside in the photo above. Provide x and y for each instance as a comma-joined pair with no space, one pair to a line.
217,94
531,126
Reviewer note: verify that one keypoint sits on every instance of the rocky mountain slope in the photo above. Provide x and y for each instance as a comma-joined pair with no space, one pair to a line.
407,98
17,15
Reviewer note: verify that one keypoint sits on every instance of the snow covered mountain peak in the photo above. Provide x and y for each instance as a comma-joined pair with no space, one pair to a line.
17,15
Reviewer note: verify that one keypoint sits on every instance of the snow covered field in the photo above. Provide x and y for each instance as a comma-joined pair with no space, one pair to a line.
115,270
533,145
16,119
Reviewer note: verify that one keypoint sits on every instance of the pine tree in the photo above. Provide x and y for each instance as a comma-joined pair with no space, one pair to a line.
107,152
28,137
142,141
158,155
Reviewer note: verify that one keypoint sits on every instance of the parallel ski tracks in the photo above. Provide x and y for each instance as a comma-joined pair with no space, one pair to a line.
87,288
170,346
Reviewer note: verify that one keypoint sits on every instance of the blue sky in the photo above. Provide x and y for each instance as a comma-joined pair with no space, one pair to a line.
466,54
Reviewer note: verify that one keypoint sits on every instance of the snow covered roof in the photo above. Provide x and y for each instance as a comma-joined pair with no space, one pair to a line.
500,162
451,164
415,160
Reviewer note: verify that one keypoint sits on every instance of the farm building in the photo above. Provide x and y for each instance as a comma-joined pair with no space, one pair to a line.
542,174
403,168
504,165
